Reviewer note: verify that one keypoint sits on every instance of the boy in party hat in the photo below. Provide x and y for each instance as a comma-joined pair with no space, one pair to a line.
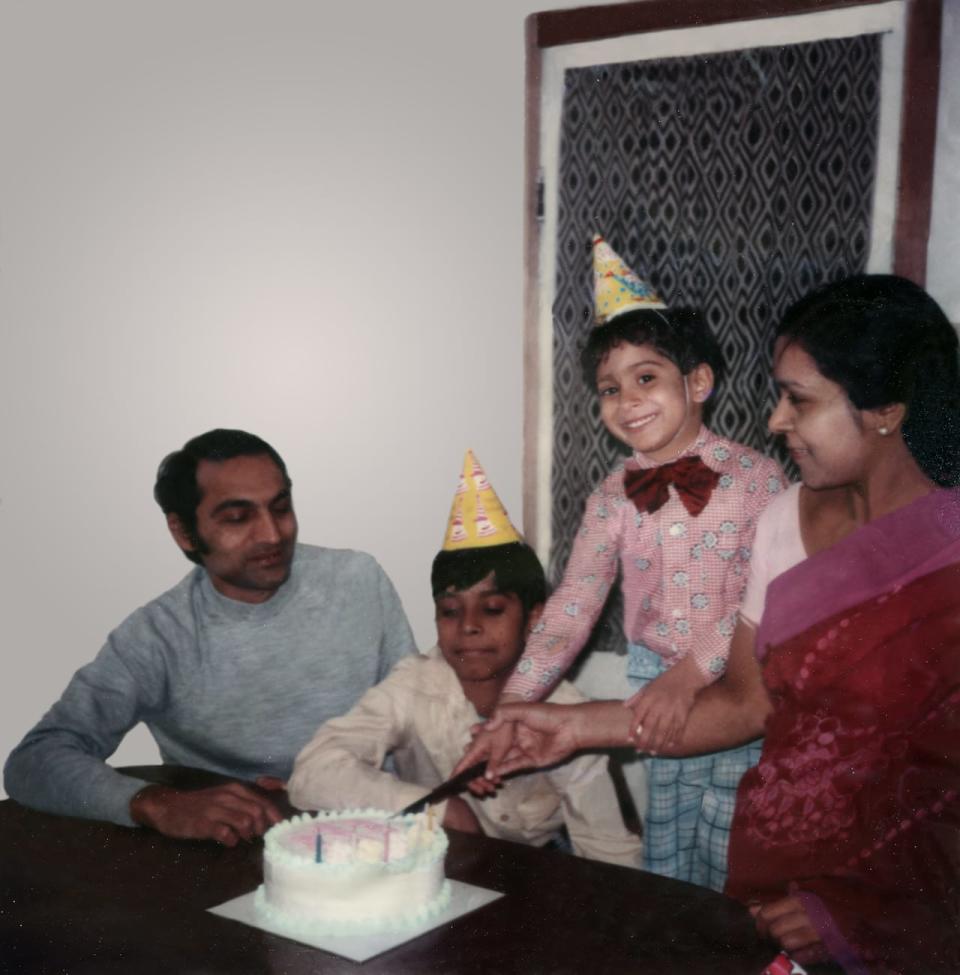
489,589
677,521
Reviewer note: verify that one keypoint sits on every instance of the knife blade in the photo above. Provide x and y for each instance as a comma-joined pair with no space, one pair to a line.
446,789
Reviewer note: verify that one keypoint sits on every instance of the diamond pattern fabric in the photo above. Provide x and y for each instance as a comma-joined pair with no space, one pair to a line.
734,183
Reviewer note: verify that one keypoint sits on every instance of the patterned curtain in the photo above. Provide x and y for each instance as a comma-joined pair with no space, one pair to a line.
735,183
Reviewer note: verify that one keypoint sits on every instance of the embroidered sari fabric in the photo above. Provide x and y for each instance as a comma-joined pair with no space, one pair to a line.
855,804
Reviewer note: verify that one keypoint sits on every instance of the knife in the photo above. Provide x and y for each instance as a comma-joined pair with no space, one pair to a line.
446,789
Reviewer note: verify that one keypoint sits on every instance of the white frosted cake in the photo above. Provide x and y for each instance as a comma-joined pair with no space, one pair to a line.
353,872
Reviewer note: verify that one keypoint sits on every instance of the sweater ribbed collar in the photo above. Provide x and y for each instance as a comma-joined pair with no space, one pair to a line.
222,607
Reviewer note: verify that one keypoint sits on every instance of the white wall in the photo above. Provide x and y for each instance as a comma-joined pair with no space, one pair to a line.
301,218
943,279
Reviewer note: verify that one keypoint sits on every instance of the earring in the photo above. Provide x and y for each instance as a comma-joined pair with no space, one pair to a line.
883,431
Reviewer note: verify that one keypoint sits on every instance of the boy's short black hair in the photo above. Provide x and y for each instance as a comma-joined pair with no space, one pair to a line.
679,334
515,568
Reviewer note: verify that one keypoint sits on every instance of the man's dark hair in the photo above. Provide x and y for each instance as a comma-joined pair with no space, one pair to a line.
176,490
678,334
515,567
885,340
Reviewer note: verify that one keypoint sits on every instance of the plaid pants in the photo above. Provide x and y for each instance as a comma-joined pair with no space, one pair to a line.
687,828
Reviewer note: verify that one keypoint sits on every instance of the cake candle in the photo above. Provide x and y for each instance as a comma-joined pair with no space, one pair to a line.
319,848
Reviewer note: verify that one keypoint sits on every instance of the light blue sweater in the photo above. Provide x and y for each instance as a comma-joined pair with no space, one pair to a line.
231,687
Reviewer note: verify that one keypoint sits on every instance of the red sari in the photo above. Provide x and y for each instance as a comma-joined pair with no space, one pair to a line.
855,804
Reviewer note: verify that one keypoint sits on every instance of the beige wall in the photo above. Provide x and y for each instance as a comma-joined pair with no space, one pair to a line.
302,218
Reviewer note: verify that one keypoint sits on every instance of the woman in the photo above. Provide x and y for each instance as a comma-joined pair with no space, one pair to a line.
846,838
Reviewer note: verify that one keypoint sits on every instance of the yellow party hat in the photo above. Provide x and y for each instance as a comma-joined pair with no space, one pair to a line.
616,288
477,518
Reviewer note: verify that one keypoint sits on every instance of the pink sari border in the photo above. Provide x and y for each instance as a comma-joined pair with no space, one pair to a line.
881,556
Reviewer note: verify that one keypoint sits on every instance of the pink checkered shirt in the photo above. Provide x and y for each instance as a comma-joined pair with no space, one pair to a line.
683,577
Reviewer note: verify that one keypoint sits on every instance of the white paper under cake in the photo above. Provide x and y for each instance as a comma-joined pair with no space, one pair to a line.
464,898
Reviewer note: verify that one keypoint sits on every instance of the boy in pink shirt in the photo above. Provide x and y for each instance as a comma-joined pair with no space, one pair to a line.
677,520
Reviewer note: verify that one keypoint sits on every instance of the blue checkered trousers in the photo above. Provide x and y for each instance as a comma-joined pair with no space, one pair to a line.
690,808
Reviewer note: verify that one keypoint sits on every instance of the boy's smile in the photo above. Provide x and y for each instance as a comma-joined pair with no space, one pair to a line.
648,404
481,631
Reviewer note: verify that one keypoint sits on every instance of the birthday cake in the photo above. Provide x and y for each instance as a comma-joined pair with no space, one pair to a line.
351,872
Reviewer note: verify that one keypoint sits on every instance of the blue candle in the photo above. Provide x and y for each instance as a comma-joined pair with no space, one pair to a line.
319,848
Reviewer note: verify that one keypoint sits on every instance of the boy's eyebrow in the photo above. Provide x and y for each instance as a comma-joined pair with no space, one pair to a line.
447,594
632,365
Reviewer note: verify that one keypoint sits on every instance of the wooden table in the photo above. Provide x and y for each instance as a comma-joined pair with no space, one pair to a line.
83,897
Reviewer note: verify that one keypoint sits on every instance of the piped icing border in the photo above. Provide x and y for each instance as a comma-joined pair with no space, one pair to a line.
298,925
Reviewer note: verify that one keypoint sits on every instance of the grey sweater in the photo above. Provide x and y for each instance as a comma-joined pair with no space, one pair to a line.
231,687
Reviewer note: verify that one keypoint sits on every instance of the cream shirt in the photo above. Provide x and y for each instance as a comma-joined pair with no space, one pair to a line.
420,716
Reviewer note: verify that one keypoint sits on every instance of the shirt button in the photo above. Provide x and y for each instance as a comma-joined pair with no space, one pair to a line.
677,528
677,613
504,818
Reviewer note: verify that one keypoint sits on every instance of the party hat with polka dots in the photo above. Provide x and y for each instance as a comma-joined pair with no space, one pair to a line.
616,288
477,518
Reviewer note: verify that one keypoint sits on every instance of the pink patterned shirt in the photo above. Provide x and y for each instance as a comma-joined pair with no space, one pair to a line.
683,577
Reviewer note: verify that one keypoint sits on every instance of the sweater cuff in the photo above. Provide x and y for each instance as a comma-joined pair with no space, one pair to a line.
116,801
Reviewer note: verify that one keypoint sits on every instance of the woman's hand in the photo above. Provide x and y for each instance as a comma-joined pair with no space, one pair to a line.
515,737
660,710
786,921
544,734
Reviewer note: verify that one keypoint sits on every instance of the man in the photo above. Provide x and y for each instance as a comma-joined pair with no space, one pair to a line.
232,670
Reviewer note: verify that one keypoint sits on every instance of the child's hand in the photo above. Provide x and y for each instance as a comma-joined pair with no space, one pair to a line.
787,922
661,709
491,742
459,815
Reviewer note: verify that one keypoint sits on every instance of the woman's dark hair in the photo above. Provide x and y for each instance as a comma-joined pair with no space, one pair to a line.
515,568
176,489
678,334
885,340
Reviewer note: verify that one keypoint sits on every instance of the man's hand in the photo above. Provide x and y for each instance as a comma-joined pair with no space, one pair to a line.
460,816
225,813
787,922
660,710
271,783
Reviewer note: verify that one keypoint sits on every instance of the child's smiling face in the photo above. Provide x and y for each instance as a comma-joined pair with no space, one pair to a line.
646,402
481,631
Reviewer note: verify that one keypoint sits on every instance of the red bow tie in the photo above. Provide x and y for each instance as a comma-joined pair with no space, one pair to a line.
694,482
